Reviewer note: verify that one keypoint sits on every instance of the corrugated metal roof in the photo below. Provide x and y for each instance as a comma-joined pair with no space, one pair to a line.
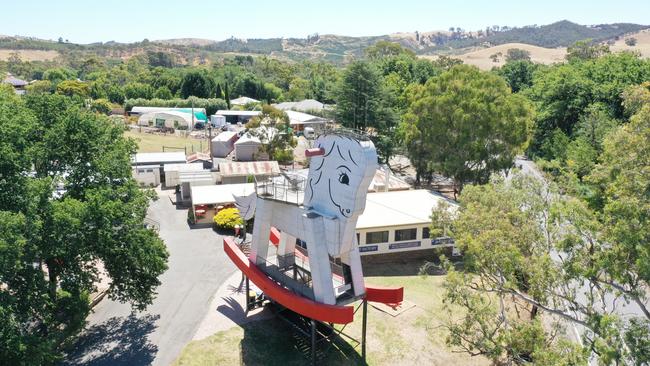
15,82
198,156
303,105
299,118
400,208
246,168
394,183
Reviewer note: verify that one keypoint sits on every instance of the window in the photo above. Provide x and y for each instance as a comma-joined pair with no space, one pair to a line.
141,170
406,234
358,239
301,243
377,237
149,170
425,233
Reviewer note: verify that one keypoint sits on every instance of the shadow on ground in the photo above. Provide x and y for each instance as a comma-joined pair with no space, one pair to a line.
274,342
118,341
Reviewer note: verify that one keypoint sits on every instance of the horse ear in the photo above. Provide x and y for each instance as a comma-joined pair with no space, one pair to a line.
316,151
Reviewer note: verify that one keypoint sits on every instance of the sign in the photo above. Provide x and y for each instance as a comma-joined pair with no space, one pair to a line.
368,248
408,244
442,240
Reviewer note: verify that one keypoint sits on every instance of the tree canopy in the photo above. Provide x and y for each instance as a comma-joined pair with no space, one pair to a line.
67,204
466,124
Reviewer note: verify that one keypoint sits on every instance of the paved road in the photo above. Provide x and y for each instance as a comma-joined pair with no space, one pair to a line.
197,267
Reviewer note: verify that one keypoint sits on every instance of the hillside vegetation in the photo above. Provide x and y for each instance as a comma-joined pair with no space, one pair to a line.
335,48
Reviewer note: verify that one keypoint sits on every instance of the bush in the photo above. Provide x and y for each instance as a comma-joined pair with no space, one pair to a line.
101,106
190,216
228,218
283,156
630,41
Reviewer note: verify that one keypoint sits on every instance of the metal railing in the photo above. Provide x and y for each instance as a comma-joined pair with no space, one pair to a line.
287,187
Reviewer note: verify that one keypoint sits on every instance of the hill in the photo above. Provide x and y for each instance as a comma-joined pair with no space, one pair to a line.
642,43
482,58
340,49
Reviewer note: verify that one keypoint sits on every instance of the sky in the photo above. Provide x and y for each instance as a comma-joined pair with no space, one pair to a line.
87,21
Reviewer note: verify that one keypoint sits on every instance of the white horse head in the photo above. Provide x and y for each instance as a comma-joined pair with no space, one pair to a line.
340,174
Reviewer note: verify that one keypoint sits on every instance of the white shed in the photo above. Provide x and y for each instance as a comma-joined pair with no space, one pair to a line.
168,119
224,143
247,148
173,172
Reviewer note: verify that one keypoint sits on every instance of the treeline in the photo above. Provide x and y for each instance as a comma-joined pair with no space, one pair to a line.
156,75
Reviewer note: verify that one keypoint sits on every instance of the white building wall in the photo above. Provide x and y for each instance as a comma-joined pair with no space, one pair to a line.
148,176
245,152
394,246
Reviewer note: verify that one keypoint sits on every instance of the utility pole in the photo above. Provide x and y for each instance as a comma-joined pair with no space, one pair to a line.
210,140
192,128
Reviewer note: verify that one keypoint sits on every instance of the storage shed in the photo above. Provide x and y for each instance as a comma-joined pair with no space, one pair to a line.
224,143
247,148
167,119
173,171
148,167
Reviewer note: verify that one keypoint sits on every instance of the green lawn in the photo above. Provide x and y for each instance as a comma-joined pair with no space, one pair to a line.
413,337
148,142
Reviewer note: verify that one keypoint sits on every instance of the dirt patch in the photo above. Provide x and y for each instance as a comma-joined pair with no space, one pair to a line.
30,55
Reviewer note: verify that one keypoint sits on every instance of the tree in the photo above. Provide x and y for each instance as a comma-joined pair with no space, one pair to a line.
386,49
57,75
247,84
563,93
594,125
138,90
273,129
39,86
508,270
359,96
51,241
298,89
73,87
197,84
517,54
518,74
586,50
102,106
630,41
531,254
466,124
163,93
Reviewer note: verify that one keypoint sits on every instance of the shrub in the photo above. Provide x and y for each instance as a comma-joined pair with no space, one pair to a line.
283,156
190,216
101,106
228,218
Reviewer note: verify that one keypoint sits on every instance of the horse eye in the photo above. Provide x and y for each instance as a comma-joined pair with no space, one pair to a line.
344,179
